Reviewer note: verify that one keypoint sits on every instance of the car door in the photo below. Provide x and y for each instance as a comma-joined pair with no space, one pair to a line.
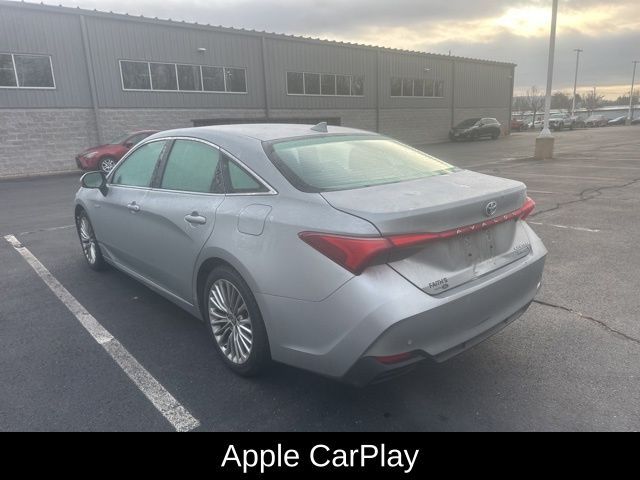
118,215
482,129
181,213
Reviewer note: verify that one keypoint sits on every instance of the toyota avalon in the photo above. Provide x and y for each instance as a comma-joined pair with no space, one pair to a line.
331,249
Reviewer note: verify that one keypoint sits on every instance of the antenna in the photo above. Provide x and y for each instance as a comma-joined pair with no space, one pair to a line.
321,127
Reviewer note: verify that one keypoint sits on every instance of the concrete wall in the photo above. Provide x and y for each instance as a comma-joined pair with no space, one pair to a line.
43,140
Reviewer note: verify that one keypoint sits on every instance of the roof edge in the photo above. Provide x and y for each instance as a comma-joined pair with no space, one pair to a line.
239,31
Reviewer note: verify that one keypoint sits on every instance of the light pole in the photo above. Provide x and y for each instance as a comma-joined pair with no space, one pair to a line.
575,81
633,81
544,142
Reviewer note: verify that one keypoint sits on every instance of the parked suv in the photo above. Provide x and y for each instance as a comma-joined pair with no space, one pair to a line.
104,157
560,122
597,121
578,121
474,128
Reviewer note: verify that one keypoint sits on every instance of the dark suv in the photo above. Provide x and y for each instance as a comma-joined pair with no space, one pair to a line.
474,128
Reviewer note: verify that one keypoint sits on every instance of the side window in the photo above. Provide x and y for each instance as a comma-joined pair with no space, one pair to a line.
192,167
137,170
240,181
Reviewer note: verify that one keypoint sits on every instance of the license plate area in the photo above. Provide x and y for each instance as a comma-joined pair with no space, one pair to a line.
450,263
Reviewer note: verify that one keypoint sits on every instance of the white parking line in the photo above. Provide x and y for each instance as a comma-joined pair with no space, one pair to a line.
566,227
52,229
541,192
164,402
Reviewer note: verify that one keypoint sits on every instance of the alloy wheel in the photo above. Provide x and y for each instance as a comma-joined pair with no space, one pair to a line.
230,321
107,165
88,240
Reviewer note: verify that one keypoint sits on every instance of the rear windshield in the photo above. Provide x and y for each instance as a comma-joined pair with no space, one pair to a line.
346,162
468,123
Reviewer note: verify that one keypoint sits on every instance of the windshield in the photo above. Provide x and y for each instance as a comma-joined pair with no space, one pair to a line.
120,139
468,123
351,161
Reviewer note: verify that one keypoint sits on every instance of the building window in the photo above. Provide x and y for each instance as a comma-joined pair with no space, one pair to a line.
189,78
295,83
163,76
328,84
416,87
169,77
135,75
236,80
312,83
213,79
26,71
299,83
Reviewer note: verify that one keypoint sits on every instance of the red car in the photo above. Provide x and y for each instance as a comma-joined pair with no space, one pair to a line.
105,157
518,125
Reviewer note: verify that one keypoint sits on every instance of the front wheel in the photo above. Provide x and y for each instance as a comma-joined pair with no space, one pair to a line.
89,243
495,135
235,323
106,164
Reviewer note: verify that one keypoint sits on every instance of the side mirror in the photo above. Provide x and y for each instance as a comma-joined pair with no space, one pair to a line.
96,180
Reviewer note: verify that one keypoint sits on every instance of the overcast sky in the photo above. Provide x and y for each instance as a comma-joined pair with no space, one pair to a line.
508,30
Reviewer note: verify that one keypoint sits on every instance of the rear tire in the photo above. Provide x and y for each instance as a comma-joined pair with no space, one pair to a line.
89,243
235,323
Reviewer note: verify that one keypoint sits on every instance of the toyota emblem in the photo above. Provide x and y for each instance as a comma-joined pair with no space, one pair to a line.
491,208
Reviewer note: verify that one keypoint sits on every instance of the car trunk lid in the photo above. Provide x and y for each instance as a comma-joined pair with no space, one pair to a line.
470,211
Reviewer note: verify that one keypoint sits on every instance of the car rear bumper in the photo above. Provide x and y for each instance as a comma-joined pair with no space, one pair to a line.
380,314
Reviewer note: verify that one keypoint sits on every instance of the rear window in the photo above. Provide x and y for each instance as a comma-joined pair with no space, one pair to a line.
346,162
468,123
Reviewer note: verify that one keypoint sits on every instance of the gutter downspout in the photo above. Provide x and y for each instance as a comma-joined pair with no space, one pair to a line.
92,78
513,75
453,91
267,108
378,91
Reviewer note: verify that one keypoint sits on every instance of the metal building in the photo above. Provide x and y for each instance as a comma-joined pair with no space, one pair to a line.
73,78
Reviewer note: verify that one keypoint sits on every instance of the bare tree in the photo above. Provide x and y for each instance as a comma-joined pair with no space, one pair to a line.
560,101
520,104
592,100
534,100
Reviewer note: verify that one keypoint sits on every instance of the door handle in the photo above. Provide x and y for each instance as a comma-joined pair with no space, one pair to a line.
133,207
195,218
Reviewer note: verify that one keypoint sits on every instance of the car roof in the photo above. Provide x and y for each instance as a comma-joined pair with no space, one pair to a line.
263,132
138,132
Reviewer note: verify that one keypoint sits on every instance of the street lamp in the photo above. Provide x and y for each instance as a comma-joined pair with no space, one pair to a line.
544,142
575,81
633,81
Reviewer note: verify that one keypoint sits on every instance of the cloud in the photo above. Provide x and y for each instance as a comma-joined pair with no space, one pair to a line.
509,30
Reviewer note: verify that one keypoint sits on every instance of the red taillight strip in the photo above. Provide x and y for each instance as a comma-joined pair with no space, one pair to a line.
353,253
414,239
357,253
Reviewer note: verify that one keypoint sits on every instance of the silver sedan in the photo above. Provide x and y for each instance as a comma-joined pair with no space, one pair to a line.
335,250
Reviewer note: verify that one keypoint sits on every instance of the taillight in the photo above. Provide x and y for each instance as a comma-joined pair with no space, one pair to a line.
357,253
353,253
527,208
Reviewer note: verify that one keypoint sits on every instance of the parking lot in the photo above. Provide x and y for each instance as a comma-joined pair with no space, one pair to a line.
572,362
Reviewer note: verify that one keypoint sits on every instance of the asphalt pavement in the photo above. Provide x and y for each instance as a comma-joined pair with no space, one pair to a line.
572,362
